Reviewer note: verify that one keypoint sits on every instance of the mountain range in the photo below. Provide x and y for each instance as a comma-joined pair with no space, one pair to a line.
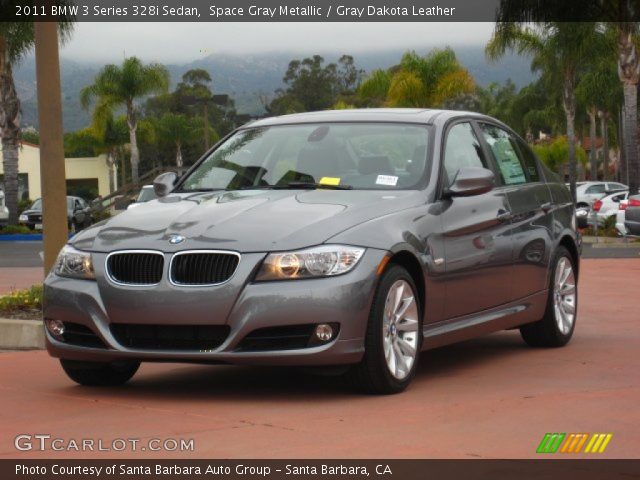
247,77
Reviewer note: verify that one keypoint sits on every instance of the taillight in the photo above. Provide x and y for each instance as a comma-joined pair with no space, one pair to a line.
633,202
622,206
597,205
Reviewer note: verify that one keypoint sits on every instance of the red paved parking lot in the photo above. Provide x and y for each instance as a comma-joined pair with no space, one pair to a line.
18,278
490,397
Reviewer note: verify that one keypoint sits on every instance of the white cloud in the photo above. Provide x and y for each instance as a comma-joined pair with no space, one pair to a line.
183,42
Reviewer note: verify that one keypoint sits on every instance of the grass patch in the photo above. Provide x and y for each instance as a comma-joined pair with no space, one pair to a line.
11,229
22,303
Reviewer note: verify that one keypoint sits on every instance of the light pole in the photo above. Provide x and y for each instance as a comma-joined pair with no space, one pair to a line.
52,170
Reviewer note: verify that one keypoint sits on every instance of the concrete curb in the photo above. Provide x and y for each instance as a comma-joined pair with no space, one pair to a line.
21,334
616,245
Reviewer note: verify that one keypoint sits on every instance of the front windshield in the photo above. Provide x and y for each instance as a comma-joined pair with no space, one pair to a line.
37,205
350,155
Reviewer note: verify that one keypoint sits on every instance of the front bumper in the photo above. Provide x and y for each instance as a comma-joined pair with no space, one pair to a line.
241,304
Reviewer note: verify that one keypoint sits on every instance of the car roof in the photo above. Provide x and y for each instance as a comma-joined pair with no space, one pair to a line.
393,115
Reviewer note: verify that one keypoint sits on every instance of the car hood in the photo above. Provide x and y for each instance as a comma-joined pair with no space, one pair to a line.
31,212
244,221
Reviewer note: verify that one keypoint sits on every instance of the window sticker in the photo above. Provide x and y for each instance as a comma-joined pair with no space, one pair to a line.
329,181
390,180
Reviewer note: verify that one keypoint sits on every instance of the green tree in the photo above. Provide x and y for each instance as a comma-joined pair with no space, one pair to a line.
122,86
178,129
417,81
16,40
195,90
312,85
373,91
556,153
560,50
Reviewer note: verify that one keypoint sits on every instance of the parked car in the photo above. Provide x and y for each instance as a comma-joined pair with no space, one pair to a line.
632,215
146,194
78,214
606,207
4,211
353,238
589,192
620,216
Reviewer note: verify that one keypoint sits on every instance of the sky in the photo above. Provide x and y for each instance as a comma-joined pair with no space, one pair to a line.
184,42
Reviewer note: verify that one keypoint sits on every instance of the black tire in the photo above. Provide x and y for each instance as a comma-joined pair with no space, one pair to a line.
100,374
546,332
372,374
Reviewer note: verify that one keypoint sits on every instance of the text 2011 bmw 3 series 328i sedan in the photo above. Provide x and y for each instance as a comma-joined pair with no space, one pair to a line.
354,238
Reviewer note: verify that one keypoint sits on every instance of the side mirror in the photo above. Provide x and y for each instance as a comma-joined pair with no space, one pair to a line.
164,183
471,181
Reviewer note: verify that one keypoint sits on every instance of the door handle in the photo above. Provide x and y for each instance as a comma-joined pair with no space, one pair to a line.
546,207
504,216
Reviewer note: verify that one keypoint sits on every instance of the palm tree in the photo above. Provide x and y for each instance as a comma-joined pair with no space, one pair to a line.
178,129
600,91
121,86
629,74
419,81
560,50
16,40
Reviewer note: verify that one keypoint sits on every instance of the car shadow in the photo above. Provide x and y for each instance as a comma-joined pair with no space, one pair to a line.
241,383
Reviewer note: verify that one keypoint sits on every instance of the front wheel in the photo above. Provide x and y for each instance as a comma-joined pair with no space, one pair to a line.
394,336
100,374
556,327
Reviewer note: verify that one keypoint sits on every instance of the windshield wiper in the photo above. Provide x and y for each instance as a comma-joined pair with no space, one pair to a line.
311,186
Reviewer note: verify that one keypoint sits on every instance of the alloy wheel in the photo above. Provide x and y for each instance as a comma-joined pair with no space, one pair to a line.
400,329
564,295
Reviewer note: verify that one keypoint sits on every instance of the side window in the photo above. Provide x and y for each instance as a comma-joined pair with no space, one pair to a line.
529,161
462,149
516,163
598,188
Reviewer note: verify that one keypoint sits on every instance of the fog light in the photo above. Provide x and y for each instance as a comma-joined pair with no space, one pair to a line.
324,332
55,327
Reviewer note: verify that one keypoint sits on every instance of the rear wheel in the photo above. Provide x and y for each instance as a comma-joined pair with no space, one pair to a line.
100,374
394,336
556,327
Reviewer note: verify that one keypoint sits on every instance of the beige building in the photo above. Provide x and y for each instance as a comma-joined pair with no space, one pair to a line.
85,176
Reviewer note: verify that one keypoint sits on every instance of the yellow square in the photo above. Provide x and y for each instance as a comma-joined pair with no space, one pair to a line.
329,181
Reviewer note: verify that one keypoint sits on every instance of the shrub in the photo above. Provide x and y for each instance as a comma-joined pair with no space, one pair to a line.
22,300
10,229
24,205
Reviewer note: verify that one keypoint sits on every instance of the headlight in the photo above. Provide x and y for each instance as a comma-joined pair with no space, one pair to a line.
23,218
73,263
322,261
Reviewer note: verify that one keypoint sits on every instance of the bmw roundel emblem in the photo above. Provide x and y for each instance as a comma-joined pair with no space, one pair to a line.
176,239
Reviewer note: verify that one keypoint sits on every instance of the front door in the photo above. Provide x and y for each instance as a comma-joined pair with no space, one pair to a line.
476,233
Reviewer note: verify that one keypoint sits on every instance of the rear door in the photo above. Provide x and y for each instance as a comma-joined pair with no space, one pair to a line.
531,207
476,232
